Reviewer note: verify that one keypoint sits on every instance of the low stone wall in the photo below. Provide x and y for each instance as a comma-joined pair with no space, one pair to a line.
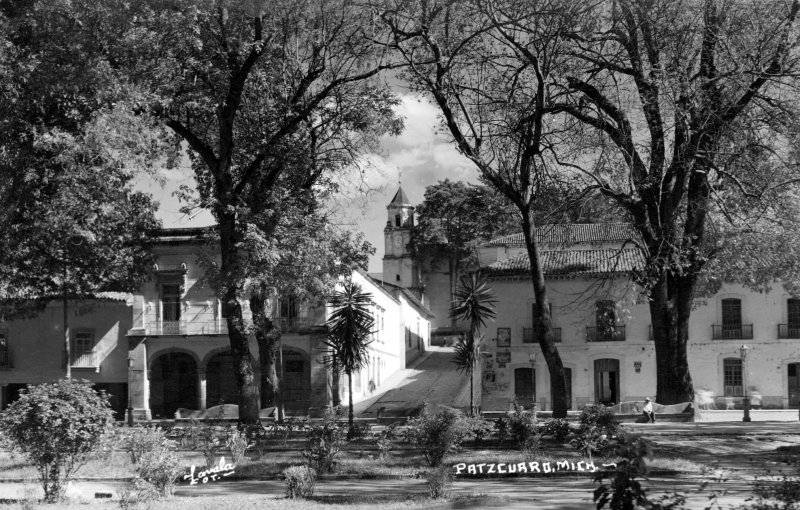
737,415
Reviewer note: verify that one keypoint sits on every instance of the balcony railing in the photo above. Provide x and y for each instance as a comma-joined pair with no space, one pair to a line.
213,327
85,360
292,324
5,359
731,331
788,330
529,338
606,334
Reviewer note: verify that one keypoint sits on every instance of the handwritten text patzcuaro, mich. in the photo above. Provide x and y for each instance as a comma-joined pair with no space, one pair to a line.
211,474
526,467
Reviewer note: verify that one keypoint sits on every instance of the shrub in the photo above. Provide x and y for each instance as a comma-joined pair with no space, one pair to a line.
591,440
501,426
775,493
206,438
139,440
324,442
238,442
601,417
522,427
558,428
161,468
359,430
138,492
57,426
439,481
300,481
625,489
437,433
480,428
384,440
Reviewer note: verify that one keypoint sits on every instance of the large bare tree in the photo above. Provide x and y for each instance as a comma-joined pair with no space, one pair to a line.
466,57
269,99
678,106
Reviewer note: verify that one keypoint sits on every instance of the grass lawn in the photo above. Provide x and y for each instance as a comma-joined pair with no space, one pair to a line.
354,461
246,502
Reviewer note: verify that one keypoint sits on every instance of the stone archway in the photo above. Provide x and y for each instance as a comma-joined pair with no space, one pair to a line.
173,384
221,380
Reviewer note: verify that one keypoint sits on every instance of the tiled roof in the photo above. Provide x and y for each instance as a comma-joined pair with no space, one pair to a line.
573,233
400,198
572,262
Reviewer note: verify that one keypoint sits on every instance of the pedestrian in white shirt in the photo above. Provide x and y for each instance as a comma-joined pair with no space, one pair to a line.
648,410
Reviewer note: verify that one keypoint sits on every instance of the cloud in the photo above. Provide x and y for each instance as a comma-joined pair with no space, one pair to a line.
419,157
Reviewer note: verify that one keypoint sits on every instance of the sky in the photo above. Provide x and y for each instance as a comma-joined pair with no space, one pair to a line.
419,157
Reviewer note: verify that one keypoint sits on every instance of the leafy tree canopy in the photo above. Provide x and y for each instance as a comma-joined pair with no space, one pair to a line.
71,149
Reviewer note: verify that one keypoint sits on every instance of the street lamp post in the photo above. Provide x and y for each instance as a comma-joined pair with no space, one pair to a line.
746,401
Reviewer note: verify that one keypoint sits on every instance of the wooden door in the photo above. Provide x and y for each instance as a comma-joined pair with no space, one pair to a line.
524,386
794,384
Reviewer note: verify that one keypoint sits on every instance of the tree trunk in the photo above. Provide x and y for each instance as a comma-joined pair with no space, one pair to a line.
67,352
670,318
350,400
542,323
268,336
453,284
244,362
335,395
472,393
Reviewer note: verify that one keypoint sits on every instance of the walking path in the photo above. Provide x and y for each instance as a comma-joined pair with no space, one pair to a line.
514,493
433,379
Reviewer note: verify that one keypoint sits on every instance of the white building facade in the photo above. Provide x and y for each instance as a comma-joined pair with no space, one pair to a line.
601,323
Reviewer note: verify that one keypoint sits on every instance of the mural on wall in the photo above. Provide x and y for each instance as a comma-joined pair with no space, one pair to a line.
503,357
487,384
504,337
495,373
502,381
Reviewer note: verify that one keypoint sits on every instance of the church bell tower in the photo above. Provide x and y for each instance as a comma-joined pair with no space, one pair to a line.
399,266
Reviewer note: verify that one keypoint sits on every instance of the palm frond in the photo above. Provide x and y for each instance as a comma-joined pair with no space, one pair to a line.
466,353
350,326
474,302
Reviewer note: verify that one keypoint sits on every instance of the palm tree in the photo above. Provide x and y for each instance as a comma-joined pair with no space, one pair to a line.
349,327
474,304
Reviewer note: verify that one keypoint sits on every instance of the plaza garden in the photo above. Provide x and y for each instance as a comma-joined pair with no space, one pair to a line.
61,449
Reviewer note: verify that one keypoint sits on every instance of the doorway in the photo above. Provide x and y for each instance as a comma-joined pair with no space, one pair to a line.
524,386
606,381
173,384
794,385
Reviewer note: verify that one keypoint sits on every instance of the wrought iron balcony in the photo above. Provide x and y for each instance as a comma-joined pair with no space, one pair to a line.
732,331
605,334
170,328
5,359
292,324
85,360
529,338
788,330
185,328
